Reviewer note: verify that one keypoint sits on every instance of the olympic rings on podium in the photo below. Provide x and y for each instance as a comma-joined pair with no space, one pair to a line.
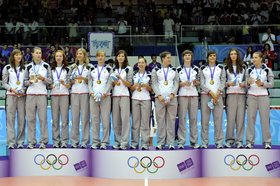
51,161
242,161
146,163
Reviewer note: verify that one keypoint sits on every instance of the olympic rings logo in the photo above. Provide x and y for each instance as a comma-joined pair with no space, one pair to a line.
51,161
146,163
241,161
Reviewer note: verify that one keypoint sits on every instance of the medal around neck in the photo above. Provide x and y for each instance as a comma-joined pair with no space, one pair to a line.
165,82
212,82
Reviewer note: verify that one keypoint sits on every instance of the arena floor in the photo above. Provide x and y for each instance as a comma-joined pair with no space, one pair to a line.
84,181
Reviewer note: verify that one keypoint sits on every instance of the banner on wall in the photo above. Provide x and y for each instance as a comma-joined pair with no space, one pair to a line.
100,41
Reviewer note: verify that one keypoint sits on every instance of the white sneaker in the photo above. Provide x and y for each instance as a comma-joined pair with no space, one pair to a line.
195,146
133,147
159,147
203,146
115,147
55,145
123,147
11,147
83,146
144,148
30,146
228,145
94,147
171,147
267,146
20,146
180,146
249,146
63,145
239,145
103,147
42,146
219,146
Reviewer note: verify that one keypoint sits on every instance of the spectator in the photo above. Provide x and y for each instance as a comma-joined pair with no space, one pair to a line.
248,57
73,31
108,8
268,55
34,28
121,9
10,30
269,38
154,63
69,56
168,27
27,56
278,60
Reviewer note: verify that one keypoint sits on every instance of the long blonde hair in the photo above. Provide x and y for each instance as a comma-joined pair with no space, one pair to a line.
86,59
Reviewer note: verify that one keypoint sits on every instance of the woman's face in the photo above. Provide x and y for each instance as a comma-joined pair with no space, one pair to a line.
80,56
167,60
18,57
37,55
58,57
142,64
212,58
233,55
121,58
187,57
101,58
257,60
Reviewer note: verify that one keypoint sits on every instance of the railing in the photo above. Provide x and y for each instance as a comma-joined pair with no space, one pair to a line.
230,34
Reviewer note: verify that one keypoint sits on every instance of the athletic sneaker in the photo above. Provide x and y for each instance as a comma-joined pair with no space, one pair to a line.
267,146
42,146
249,146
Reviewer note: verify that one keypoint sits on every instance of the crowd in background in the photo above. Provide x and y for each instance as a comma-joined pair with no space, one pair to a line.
22,20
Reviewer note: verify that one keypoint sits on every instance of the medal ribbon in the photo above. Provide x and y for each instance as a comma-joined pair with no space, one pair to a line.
212,72
58,75
165,74
18,73
80,72
140,78
34,68
188,73
99,73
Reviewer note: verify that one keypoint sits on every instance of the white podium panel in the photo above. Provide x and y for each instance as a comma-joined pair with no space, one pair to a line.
4,166
145,164
136,164
240,162
49,162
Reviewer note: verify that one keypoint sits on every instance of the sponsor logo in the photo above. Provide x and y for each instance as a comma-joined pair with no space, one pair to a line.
247,163
51,160
145,163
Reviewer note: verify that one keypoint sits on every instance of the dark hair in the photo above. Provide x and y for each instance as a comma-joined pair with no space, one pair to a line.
247,52
64,62
12,59
266,44
164,54
239,62
153,55
211,52
125,63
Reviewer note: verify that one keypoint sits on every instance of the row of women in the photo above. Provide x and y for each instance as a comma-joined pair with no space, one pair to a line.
93,87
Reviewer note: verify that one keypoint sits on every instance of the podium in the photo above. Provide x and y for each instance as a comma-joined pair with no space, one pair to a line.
137,164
